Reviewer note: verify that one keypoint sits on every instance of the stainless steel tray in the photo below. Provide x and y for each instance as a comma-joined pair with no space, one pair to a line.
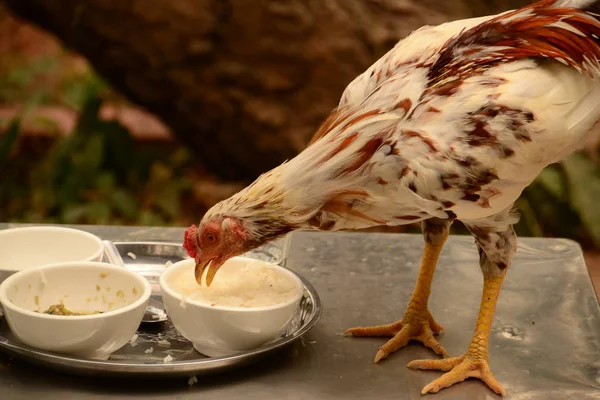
145,356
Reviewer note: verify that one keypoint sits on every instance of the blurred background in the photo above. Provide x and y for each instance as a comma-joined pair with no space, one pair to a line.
147,112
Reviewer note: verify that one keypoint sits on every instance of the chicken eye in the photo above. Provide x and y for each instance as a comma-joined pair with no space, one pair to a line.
211,237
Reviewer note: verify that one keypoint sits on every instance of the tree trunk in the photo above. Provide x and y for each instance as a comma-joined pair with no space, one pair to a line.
243,83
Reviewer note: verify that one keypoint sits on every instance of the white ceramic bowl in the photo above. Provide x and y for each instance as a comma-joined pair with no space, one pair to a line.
216,330
28,247
121,294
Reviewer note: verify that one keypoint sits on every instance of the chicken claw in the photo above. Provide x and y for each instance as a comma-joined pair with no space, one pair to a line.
474,363
417,326
418,323
460,368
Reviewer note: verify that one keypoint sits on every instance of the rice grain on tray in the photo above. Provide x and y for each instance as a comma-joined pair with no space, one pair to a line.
192,380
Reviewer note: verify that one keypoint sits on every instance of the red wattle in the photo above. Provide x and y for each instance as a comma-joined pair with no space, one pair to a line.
190,242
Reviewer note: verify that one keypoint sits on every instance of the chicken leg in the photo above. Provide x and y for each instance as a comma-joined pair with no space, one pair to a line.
418,323
495,254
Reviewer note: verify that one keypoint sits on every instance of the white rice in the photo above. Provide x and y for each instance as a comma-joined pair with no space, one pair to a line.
149,351
131,255
167,359
133,340
168,264
192,380
253,285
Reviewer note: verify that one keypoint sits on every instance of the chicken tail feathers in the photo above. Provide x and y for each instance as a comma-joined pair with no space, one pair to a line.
567,31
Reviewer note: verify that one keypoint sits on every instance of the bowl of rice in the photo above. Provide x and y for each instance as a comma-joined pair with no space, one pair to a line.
249,303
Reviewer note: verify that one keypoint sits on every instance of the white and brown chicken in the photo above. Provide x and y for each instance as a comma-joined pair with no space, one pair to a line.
451,124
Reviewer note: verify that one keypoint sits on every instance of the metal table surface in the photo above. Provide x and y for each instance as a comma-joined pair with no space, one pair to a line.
545,342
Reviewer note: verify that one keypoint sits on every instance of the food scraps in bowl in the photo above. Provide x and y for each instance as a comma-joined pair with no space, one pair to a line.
60,309
83,309
94,294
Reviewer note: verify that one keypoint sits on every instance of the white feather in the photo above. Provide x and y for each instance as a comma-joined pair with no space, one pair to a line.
575,3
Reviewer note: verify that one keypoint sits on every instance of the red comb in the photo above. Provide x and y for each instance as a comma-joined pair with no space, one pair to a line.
190,243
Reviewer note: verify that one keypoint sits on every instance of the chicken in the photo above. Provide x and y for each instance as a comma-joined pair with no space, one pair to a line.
451,124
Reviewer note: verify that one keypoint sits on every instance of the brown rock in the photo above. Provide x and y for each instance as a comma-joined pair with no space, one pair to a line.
244,83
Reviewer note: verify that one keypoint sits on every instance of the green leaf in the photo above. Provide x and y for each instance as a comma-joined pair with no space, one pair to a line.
74,213
124,202
95,211
121,154
528,219
91,155
43,65
18,77
167,199
148,218
584,191
78,89
181,157
160,172
105,181
553,181
17,83
99,212
48,124
88,121
9,138
33,102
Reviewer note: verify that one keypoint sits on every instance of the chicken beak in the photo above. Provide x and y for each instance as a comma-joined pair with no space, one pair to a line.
201,265
212,271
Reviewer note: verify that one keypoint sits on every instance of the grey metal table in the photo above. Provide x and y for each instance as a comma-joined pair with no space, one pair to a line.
545,342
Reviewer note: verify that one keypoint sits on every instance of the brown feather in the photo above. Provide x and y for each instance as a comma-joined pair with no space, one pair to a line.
338,117
345,143
364,155
341,205
528,36
334,118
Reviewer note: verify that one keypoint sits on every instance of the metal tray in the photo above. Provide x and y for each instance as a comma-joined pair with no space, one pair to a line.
145,356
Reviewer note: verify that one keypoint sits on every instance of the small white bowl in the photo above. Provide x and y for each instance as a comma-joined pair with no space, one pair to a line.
216,330
34,246
121,294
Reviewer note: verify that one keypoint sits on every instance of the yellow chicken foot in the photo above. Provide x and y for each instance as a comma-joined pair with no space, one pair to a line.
418,324
474,363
